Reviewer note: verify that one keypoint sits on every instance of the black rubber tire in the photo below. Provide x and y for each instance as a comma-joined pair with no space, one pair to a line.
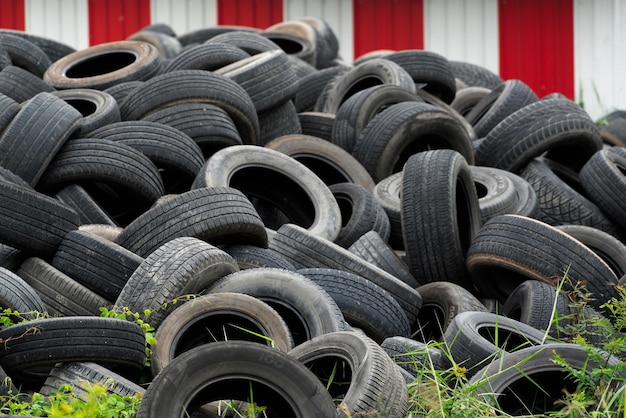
88,210
97,107
8,109
194,86
267,77
476,339
31,347
441,302
360,213
415,356
311,86
498,104
306,250
25,54
209,126
528,382
97,263
539,305
218,215
364,304
327,44
405,129
305,306
177,156
121,90
11,258
373,249
562,198
54,49
357,111
606,246
218,317
370,73
387,192
268,175
296,38
557,125
429,70
440,216
613,132
496,191
468,97
369,381
61,295
104,65
19,296
180,267
208,57
251,42
33,222
278,121
475,75
168,45
331,163
604,179
510,249
38,131
250,256
199,36
20,85
123,169
231,370
317,124
83,376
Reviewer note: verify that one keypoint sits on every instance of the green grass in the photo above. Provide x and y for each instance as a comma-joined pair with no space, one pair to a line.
433,393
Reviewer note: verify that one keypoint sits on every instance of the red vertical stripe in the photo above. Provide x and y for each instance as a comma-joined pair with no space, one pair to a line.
115,20
252,13
537,44
12,14
391,24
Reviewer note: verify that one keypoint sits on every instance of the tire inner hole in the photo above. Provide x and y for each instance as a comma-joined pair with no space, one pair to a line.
101,64
334,372
85,107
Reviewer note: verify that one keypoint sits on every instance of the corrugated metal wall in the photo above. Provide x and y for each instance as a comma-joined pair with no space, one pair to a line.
254,13
393,24
533,42
338,14
113,20
185,15
536,44
62,20
463,30
12,14
600,55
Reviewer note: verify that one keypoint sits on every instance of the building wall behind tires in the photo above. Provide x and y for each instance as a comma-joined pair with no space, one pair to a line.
571,46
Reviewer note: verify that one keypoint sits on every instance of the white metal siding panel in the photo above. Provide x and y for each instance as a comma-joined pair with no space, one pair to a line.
185,15
463,30
338,14
599,59
65,21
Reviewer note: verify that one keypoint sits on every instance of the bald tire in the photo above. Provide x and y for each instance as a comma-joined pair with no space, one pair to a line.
218,317
305,306
294,389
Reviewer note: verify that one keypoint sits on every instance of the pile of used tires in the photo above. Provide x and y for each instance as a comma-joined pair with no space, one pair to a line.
327,219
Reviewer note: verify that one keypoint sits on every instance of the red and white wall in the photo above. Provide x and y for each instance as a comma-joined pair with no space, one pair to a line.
575,47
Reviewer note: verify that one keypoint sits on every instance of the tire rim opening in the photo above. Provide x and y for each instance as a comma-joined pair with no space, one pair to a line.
101,64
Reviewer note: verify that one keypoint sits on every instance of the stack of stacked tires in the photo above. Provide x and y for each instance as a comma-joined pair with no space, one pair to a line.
291,225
